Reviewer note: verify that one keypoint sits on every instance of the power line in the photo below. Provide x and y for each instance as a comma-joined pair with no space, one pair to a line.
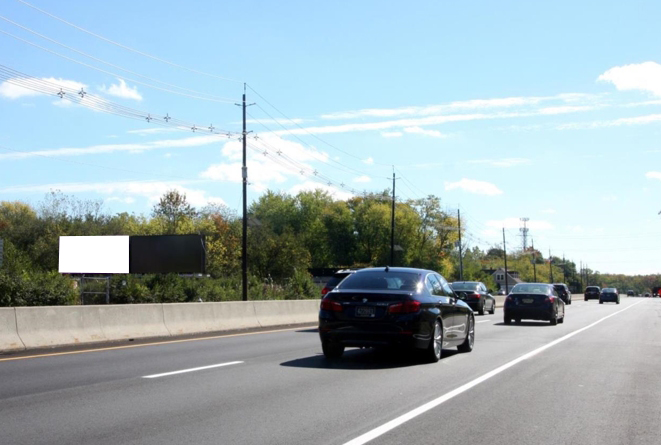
128,48
115,74
100,104
217,98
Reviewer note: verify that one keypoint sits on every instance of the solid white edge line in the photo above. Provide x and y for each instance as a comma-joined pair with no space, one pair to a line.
481,321
153,376
379,431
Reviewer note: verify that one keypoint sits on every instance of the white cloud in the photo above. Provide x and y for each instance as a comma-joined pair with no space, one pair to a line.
269,168
368,161
392,134
474,186
639,120
122,90
653,175
549,211
507,162
473,104
567,109
362,179
126,200
274,121
152,190
194,141
155,130
641,76
419,130
515,223
12,89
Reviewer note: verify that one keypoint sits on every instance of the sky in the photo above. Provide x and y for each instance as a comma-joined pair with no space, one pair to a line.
504,110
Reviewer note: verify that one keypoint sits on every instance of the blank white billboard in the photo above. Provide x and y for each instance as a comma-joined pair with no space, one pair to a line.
94,254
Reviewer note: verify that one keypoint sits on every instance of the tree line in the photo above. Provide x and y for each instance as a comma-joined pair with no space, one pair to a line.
287,236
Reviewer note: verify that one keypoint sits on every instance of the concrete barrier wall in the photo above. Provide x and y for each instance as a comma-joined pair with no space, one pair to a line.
38,327
58,325
9,339
132,321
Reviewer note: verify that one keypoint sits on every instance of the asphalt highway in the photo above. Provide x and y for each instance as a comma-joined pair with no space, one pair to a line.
591,380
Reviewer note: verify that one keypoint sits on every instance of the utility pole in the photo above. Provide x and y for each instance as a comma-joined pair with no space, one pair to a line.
392,221
524,232
505,255
534,261
551,265
461,260
244,175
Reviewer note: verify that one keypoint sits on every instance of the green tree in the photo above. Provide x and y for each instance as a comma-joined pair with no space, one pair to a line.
175,212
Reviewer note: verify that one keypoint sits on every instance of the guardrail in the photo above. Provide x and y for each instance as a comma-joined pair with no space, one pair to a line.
37,327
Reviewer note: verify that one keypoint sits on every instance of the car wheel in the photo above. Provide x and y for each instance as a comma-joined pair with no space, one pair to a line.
433,352
561,320
517,320
601,302
569,302
618,301
467,345
493,308
554,319
331,349
507,320
586,299
480,310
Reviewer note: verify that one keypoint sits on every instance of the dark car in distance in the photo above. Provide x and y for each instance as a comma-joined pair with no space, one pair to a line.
592,293
609,294
631,293
335,280
563,292
536,301
476,295
395,306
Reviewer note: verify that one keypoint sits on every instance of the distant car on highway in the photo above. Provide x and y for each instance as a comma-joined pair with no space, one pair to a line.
647,294
609,294
563,292
592,292
476,295
536,301
631,293
335,280
414,308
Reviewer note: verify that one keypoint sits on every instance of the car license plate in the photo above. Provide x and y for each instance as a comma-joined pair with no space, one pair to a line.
528,300
365,311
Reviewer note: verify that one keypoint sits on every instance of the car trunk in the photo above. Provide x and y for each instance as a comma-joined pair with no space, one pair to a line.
528,300
368,306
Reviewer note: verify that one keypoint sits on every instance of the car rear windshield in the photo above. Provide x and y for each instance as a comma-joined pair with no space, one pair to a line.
464,286
336,279
591,288
382,280
530,289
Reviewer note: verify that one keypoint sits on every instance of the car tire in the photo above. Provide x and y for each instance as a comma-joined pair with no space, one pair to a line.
434,350
561,320
618,301
480,310
331,349
517,320
467,345
601,302
554,319
493,308
569,301
507,320
586,299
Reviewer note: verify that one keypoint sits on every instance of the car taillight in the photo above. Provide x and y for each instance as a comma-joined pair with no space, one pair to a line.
324,291
549,299
509,298
330,305
474,296
407,307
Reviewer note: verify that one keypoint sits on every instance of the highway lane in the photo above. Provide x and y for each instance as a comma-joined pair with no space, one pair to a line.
284,392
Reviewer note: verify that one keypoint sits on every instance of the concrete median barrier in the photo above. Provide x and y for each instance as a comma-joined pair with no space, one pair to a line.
274,313
58,325
191,318
9,339
121,322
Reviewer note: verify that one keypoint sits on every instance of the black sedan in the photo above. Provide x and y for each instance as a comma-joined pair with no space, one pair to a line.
415,308
536,301
609,294
476,295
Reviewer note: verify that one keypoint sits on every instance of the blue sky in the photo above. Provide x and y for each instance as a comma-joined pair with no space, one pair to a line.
502,109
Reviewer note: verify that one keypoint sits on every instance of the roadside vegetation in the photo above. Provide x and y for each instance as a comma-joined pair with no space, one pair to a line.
287,236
